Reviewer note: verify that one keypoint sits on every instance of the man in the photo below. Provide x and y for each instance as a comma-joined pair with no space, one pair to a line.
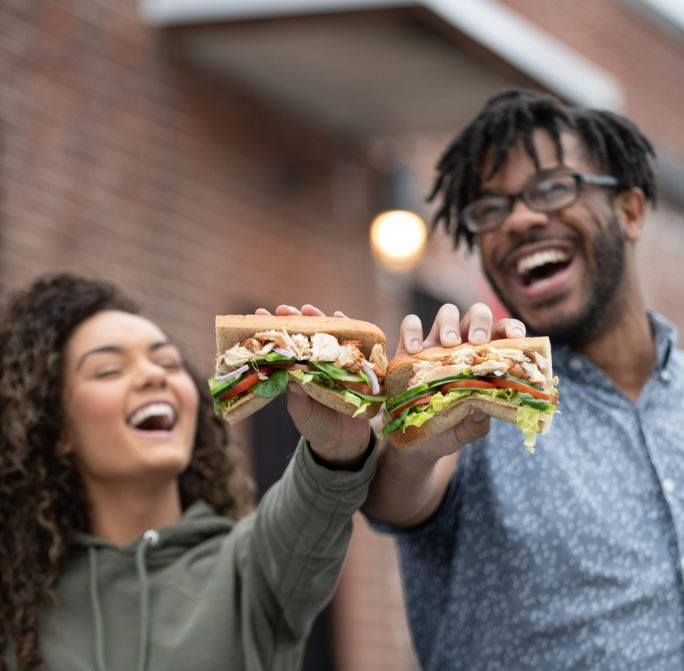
569,558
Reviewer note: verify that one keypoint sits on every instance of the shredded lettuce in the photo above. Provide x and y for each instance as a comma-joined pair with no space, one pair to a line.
302,376
220,406
437,403
360,405
527,420
527,417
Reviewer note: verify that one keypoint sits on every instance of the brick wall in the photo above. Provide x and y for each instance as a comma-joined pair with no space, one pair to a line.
120,161
647,60
117,161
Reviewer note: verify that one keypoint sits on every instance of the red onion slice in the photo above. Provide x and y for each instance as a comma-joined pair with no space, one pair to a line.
285,352
232,374
372,377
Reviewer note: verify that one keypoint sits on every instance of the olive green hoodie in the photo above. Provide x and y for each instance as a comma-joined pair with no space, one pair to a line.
208,594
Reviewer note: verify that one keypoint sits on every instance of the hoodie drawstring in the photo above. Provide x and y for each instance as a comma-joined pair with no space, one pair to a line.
97,611
150,538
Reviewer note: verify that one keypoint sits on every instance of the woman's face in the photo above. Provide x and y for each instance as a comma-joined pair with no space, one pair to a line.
130,404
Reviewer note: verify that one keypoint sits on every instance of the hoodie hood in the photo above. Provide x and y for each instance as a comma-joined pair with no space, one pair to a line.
199,523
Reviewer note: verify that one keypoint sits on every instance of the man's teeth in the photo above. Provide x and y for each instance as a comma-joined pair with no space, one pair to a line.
528,263
162,410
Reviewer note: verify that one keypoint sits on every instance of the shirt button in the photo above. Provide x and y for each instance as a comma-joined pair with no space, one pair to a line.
668,485
575,364
665,375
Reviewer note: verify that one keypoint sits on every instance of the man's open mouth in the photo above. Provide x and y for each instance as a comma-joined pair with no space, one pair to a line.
541,265
154,417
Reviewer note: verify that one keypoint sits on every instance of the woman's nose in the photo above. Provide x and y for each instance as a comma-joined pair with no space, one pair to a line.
150,374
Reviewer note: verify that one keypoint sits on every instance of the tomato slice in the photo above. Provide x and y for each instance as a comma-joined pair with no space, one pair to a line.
519,386
421,400
358,386
246,383
461,384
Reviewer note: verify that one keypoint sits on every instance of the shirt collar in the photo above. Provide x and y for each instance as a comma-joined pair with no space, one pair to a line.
664,337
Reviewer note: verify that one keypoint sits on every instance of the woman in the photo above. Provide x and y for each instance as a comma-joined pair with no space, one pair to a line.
119,495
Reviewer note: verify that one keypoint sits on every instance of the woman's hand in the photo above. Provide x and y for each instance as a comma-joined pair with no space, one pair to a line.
338,440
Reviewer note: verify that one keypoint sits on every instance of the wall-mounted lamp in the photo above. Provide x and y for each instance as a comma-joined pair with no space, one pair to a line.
397,239
398,235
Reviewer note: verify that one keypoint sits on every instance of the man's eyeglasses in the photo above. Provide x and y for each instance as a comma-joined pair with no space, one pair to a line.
546,192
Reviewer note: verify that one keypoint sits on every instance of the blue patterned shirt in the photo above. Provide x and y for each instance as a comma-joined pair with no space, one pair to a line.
568,558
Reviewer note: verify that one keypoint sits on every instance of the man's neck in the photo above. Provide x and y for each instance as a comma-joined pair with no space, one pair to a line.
626,351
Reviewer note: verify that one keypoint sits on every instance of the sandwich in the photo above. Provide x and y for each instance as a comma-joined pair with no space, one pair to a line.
340,363
510,379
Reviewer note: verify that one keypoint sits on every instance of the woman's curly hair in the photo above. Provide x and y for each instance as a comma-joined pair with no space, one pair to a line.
41,495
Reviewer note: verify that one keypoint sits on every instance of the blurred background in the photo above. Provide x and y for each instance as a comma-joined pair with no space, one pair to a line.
213,156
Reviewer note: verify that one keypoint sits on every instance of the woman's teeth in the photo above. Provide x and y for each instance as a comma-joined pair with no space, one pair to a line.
154,416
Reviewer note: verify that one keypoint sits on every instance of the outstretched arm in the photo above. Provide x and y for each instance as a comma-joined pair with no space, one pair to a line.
411,482
292,548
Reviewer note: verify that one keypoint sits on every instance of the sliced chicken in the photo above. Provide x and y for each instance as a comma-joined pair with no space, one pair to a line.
378,359
491,367
426,371
349,357
324,347
233,358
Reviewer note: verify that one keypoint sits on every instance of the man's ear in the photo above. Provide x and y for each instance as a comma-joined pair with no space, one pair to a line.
630,209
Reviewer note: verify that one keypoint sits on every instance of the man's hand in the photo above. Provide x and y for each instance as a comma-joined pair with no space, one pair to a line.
411,481
338,440
448,329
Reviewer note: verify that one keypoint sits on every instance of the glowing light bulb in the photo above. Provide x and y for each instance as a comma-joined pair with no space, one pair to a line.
397,239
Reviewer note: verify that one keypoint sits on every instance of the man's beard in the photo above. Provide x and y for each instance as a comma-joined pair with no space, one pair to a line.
601,310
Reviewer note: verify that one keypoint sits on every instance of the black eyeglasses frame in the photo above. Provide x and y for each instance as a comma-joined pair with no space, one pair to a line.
581,178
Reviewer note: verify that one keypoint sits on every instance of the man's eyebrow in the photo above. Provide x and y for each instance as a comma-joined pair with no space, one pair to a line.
115,349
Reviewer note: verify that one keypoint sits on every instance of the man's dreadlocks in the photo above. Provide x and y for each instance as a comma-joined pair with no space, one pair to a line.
612,141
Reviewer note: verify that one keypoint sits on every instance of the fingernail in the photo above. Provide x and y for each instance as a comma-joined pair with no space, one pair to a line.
478,335
518,331
414,345
451,336
478,416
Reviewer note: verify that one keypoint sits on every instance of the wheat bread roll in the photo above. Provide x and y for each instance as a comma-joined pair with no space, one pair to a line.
400,371
233,329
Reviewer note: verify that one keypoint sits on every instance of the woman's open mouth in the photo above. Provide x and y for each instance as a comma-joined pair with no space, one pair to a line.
154,417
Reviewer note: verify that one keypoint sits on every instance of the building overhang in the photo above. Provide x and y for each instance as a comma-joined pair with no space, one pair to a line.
365,68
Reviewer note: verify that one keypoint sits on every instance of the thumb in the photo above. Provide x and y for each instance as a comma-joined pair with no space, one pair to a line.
300,406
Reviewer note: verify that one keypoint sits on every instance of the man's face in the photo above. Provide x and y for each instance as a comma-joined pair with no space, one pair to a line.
560,272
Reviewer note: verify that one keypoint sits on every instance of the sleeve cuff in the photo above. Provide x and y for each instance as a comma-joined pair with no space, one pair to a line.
338,482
